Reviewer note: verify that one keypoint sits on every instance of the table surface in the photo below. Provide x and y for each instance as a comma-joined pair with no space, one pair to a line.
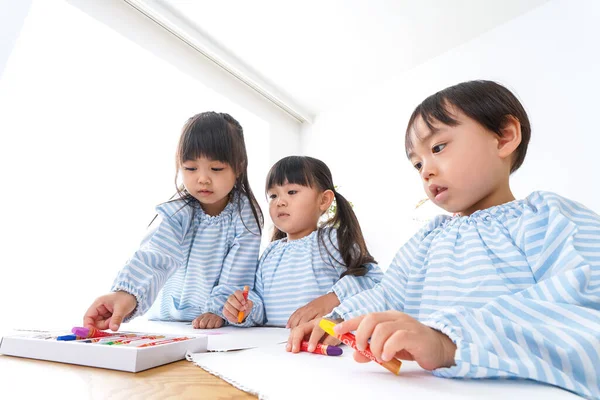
25,378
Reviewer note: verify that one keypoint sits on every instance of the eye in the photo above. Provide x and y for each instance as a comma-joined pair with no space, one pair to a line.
217,169
292,192
438,147
189,168
272,196
418,166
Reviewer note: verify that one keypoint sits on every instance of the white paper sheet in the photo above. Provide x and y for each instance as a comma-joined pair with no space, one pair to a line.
221,339
272,373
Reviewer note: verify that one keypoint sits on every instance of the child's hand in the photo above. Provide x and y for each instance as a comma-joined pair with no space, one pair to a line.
395,334
109,310
310,331
235,304
317,308
208,321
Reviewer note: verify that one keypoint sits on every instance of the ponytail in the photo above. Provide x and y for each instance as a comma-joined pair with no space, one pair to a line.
350,241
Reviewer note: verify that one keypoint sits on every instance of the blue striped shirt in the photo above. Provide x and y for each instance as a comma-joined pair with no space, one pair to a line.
189,255
293,273
516,287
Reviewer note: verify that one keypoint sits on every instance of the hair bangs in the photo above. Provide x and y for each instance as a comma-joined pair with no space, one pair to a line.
433,110
294,170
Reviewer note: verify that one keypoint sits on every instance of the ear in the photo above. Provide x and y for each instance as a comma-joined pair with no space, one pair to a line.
511,137
326,200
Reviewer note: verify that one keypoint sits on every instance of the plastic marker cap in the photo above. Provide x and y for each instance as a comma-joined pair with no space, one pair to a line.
83,332
327,326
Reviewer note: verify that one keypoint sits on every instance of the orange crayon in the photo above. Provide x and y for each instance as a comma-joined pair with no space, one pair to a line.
241,313
348,339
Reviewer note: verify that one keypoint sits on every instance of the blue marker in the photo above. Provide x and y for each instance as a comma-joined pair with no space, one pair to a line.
68,337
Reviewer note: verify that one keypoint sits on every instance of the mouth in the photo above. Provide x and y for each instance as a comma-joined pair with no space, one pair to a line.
436,190
204,192
283,215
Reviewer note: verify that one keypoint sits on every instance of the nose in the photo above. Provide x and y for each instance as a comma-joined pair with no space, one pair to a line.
281,202
203,179
428,170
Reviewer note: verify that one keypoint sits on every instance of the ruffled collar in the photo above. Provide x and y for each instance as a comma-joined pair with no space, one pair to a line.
299,242
512,209
225,214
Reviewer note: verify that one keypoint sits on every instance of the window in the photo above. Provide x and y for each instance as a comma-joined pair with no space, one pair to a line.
89,124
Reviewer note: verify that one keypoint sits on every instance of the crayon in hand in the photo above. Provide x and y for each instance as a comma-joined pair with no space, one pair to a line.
89,332
348,339
241,313
322,349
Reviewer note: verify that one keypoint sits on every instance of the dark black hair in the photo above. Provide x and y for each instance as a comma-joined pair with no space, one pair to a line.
219,137
486,102
313,173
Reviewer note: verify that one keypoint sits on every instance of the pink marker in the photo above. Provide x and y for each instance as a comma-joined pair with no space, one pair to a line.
89,332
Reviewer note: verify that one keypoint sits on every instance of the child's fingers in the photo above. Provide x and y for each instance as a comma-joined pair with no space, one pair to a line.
235,302
399,341
214,321
381,334
232,308
219,323
307,317
292,320
315,336
347,326
331,341
360,358
92,314
211,321
100,324
296,336
301,316
239,295
202,321
365,329
230,313
117,317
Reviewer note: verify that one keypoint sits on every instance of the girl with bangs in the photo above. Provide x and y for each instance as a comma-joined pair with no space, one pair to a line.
209,236
308,269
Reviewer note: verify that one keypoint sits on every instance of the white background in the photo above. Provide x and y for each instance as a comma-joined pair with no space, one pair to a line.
93,97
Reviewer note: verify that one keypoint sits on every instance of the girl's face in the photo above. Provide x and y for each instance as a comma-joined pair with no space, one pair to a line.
461,166
210,182
295,209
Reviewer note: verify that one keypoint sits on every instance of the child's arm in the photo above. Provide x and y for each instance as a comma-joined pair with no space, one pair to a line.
549,332
320,306
386,295
240,264
351,285
158,257
254,312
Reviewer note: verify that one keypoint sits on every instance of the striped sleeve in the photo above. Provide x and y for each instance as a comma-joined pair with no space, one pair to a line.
159,255
549,332
349,285
389,294
239,266
257,316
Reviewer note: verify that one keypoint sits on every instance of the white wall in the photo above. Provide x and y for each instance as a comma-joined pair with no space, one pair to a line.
92,99
549,57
